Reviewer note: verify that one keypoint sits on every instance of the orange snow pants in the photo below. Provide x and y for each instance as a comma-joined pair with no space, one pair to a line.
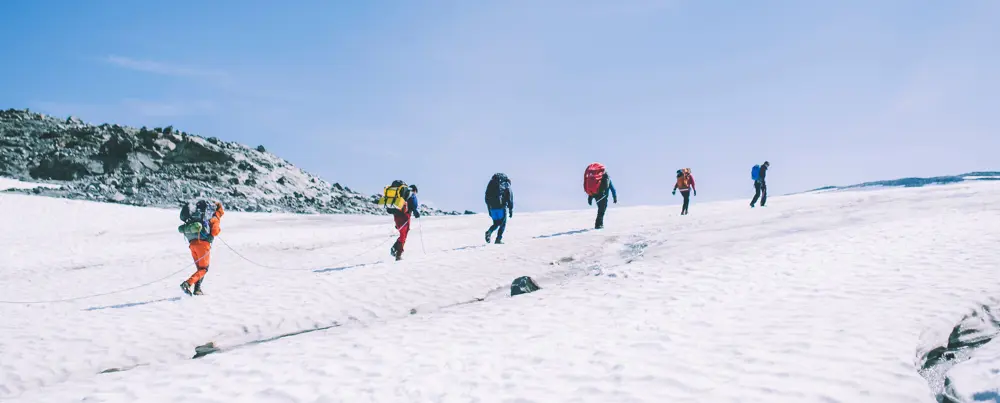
201,253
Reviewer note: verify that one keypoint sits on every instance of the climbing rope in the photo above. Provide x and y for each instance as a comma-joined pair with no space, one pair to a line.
189,265
268,267
186,267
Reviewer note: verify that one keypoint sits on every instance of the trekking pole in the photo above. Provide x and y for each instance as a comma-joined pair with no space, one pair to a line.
420,230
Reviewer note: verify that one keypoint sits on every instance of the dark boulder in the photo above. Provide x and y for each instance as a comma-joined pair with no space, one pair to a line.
523,285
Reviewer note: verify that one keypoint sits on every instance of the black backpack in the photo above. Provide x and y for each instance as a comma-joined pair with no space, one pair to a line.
196,213
200,213
499,184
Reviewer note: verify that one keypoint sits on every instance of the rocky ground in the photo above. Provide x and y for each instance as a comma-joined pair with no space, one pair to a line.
161,167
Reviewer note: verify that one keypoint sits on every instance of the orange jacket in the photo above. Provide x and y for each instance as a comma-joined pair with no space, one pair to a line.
216,220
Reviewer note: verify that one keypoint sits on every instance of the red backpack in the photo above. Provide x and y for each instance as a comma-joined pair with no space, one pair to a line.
592,178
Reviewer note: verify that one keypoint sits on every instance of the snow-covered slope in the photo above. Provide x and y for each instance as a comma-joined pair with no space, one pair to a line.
817,298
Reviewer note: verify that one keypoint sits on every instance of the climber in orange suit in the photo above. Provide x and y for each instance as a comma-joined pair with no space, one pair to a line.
201,250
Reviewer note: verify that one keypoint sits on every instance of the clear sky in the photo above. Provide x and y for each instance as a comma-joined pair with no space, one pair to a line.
445,93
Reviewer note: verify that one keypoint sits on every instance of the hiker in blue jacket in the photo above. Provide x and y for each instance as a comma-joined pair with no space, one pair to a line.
760,184
499,200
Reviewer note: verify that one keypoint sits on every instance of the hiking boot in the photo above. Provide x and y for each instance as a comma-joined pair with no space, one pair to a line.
488,235
392,251
186,288
498,242
197,288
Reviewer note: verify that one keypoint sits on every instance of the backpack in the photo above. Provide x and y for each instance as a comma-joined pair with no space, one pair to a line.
683,179
196,218
395,196
755,172
592,178
500,184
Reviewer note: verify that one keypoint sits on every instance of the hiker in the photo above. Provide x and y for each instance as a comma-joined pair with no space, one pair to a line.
499,199
400,200
685,183
200,228
759,175
597,183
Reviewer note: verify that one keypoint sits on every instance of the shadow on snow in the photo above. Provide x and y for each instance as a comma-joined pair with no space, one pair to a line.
131,304
574,232
342,268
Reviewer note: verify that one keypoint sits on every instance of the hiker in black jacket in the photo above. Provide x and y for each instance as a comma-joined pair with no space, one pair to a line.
602,199
499,199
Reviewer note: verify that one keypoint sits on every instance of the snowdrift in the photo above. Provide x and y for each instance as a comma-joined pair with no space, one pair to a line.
815,298
914,182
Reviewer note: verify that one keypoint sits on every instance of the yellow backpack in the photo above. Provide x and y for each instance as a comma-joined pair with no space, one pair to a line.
394,197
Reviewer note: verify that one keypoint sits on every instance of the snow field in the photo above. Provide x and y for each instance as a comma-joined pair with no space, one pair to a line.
818,297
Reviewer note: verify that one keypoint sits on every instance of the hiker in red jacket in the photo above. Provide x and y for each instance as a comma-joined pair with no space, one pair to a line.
685,183
597,184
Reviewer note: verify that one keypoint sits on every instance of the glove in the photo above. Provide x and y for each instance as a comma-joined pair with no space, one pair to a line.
616,200
511,215
416,214
590,201
674,192
695,192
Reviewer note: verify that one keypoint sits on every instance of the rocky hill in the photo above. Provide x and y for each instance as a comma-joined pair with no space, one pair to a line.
160,167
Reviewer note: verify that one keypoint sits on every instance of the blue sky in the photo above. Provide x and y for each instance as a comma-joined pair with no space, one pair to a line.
445,93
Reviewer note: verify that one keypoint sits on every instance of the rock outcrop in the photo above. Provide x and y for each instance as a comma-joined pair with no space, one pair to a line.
161,167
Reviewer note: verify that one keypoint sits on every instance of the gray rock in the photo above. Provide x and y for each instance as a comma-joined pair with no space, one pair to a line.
197,150
160,167
63,167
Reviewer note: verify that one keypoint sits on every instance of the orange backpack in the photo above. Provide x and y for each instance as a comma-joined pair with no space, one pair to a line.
684,178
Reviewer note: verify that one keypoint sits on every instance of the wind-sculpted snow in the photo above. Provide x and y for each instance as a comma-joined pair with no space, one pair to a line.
816,298
964,366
